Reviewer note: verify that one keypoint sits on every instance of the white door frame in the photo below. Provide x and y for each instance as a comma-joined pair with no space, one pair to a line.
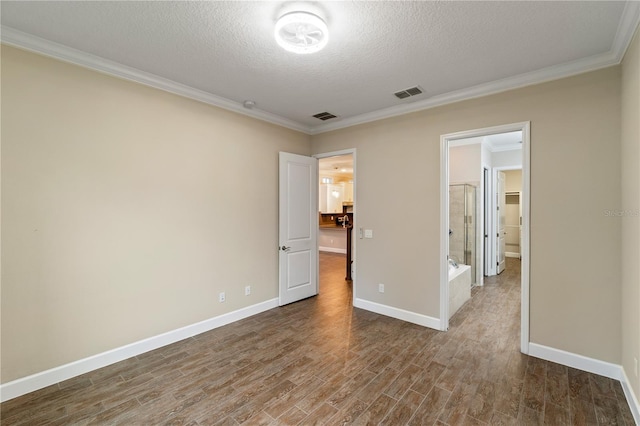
444,220
351,151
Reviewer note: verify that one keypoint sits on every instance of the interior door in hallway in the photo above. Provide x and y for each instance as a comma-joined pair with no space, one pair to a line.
502,232
298,228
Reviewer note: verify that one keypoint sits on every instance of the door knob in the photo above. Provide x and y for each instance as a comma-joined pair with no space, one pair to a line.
285,248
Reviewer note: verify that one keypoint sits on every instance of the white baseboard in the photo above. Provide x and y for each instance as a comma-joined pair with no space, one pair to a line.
607,369
632,399
55,375
512,254
590,365
397,313
333,250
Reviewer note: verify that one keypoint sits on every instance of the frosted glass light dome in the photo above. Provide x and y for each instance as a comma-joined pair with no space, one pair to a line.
301,32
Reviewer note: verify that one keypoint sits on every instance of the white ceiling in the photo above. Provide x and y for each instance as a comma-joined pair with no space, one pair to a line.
339,167
495,143
224,53
504,141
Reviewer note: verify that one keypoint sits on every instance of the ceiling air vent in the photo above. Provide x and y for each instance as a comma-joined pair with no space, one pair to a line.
324,116
413,91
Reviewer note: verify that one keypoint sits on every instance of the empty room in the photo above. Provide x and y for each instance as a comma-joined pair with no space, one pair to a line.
259,212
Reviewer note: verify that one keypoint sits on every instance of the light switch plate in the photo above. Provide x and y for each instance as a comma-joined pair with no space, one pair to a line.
368,233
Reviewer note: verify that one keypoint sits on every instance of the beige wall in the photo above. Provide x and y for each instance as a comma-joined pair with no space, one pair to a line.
575,133
631,203
465,164
513,180
125,211
120,221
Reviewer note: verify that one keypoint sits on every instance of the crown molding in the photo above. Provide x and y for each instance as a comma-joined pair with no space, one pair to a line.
626,29
19,39
624,34
512,147
569,69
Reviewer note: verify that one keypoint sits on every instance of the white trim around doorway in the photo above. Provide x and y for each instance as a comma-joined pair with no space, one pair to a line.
525,127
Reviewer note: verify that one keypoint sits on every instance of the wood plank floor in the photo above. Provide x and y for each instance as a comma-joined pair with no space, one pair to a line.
320,361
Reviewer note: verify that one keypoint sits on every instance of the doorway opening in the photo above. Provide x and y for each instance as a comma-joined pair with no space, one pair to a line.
483,219
510,214
337,210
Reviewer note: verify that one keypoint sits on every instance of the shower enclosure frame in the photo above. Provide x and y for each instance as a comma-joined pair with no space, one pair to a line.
470,253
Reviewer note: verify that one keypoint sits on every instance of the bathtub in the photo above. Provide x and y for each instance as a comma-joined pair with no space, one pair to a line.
459,287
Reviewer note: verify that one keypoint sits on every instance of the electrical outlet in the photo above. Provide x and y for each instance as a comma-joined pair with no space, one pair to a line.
222,298
381,288
247,290
635,366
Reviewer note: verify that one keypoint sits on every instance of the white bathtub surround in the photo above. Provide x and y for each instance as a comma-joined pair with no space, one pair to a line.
459,287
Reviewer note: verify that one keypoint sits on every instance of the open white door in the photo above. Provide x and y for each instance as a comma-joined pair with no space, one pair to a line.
486,229
502,232
298,228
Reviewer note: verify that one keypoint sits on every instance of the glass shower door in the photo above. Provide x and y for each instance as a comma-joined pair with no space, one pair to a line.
470,230
462,226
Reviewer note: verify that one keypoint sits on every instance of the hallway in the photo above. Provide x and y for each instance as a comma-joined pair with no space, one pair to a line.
319,361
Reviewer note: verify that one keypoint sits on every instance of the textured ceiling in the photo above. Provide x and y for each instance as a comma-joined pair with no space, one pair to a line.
452,50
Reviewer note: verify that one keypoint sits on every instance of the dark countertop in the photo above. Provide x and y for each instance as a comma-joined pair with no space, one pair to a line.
333,227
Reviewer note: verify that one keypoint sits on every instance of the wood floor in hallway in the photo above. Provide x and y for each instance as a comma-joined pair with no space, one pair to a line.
320,361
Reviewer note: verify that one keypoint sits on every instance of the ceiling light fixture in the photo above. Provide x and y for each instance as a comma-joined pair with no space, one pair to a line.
301,32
